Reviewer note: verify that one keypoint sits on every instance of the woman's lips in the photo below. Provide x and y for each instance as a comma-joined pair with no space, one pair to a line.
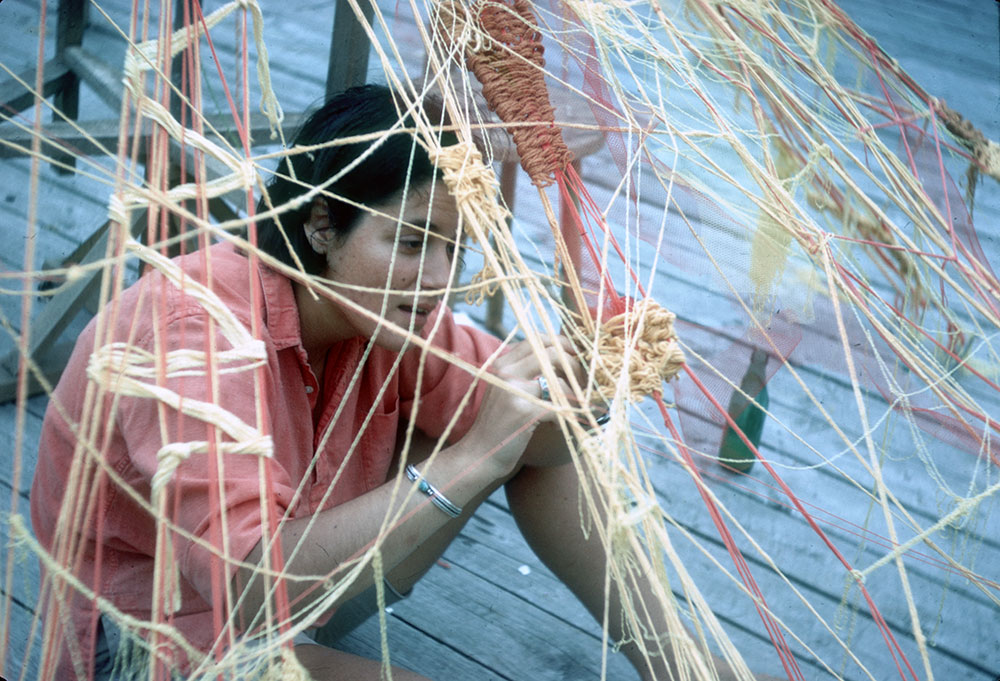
419,311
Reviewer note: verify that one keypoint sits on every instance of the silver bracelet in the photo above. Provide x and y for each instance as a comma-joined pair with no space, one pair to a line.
438,499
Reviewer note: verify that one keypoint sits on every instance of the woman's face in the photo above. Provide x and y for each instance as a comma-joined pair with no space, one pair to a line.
395,265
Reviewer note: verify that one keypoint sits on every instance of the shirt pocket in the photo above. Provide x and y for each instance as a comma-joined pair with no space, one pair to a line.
356,464
379,448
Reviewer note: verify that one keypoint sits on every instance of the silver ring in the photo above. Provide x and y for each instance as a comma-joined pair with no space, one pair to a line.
544,385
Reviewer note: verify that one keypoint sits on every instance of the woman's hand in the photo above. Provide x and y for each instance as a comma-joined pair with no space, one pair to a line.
507,420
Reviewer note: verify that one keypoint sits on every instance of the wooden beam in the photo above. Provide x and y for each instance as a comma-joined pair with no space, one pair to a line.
82,294
101,136
58,312
349,47
51,364
14,98
97,74
69,33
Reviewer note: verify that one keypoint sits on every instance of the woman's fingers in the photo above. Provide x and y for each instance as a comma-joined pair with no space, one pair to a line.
560,386
522,361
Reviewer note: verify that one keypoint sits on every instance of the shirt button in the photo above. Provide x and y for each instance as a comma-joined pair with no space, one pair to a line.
309,390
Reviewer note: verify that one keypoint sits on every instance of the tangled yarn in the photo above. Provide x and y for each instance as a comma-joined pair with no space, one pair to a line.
470,180
985,151
503,49
475,188
643,336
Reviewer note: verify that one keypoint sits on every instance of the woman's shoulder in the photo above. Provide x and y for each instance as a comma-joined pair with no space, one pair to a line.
222,269
213,282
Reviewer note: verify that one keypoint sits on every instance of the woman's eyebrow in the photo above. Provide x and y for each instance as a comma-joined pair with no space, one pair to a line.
425,225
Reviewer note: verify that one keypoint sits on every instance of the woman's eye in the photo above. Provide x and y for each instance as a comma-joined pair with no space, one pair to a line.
452,251
412,243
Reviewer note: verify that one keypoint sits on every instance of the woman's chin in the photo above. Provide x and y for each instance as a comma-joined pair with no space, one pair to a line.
389,339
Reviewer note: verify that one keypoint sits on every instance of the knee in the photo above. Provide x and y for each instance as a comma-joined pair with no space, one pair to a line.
547,448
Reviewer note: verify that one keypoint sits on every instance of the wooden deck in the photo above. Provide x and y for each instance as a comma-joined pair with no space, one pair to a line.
489,610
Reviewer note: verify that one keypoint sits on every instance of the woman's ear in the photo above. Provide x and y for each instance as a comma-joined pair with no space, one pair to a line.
317,227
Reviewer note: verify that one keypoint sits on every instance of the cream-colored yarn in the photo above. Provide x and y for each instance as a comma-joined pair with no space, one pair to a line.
144,57
644,337
470,180
289,669
475,188
130,371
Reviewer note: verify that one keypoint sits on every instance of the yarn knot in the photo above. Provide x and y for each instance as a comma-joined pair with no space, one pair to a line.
644,337
468,178
475,188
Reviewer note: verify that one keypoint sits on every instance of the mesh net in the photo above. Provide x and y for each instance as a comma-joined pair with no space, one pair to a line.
768,261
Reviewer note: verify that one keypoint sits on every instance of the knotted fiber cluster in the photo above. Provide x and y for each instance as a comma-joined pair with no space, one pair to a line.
475,188
644,333
503,49
985,151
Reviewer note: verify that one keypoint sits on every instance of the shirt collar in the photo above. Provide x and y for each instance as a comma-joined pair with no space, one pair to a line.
280,308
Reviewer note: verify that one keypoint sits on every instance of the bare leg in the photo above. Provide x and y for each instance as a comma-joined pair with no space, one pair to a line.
545,503
327,664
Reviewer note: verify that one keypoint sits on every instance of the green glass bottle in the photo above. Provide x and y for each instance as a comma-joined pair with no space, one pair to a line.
733,452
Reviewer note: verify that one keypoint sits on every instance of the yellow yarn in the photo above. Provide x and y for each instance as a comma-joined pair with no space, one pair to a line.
644,337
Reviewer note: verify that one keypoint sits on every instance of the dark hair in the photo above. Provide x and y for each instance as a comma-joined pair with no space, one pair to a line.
382,175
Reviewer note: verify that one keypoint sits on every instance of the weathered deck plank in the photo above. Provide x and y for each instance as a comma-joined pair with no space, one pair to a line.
18,597
29,451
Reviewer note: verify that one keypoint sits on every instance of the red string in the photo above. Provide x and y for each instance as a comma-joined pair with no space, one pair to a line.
894,647
770,625
774,632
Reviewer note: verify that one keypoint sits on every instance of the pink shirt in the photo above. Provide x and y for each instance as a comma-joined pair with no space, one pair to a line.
119,536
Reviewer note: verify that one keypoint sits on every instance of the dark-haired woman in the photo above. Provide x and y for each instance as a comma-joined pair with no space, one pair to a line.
336,393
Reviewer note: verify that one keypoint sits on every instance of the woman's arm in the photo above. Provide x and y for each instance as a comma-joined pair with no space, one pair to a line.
324,546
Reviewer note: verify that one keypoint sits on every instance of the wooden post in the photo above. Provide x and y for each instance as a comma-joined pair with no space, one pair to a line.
69,33
349,47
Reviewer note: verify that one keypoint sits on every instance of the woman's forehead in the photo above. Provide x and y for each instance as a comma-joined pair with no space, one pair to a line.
431,206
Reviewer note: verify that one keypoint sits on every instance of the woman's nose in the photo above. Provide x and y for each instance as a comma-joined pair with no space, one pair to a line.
437,267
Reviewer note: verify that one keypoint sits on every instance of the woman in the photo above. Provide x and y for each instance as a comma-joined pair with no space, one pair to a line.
339,384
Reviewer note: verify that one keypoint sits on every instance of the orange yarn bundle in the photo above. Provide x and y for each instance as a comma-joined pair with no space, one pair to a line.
506,54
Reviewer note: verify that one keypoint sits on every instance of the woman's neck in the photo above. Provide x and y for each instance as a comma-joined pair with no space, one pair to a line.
320,326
